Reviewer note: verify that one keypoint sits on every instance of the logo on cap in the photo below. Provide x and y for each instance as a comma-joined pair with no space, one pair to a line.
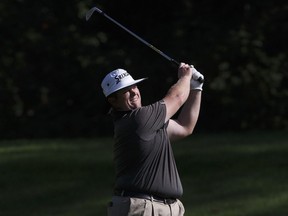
121,76
116,80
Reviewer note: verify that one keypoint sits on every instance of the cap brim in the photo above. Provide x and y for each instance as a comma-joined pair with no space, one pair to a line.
130,84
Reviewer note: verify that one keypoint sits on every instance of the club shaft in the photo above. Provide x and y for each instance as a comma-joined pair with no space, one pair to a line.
91,11
139,38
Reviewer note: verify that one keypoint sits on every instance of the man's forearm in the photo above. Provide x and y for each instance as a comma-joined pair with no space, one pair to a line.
190,111
180,89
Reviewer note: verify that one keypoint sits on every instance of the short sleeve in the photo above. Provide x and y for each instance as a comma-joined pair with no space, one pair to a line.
150,119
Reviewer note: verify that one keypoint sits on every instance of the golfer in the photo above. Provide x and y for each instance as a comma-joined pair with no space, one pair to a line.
147,181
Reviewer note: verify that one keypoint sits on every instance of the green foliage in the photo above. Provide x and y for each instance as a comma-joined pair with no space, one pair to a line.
52,62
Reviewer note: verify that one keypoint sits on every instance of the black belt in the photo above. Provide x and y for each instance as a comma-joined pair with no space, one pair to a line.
145,196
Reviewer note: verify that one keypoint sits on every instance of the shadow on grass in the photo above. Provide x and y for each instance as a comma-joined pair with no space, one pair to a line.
225,174
235,175
55,177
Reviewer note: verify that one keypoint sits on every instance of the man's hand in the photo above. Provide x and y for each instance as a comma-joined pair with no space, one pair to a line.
184,70
194,84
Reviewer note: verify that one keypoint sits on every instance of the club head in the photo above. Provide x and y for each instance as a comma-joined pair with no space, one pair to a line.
91,11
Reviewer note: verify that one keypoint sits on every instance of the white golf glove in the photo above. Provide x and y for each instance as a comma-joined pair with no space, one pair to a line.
194,83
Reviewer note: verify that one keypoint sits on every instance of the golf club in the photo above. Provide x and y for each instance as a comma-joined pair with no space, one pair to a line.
196,76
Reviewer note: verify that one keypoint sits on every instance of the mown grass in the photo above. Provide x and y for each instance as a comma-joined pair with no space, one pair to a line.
222,174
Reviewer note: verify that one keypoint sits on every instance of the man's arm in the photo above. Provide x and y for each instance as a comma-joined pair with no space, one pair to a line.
188,116
179,92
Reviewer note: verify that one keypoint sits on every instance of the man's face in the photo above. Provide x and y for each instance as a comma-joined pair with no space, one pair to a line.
126,99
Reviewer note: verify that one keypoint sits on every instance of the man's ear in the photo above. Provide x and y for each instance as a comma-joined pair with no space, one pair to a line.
112,100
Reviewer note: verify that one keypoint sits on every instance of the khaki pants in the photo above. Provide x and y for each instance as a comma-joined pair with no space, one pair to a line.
127,206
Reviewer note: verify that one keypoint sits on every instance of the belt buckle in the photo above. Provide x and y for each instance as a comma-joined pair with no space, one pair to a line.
169,201
166,201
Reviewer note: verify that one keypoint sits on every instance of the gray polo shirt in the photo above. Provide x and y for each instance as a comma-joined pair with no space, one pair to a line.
143,155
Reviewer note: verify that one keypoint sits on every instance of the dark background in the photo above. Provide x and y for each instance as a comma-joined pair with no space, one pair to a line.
52,62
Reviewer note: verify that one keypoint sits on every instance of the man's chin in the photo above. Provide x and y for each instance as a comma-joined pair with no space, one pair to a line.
135,105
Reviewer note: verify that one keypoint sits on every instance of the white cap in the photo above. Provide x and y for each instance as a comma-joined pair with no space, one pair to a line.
116,80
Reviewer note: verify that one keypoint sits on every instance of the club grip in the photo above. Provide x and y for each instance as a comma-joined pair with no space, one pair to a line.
198,77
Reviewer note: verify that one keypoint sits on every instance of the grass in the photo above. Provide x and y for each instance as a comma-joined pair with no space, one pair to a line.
222,174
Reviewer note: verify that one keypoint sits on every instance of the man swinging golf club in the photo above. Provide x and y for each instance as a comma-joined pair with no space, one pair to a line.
147,181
